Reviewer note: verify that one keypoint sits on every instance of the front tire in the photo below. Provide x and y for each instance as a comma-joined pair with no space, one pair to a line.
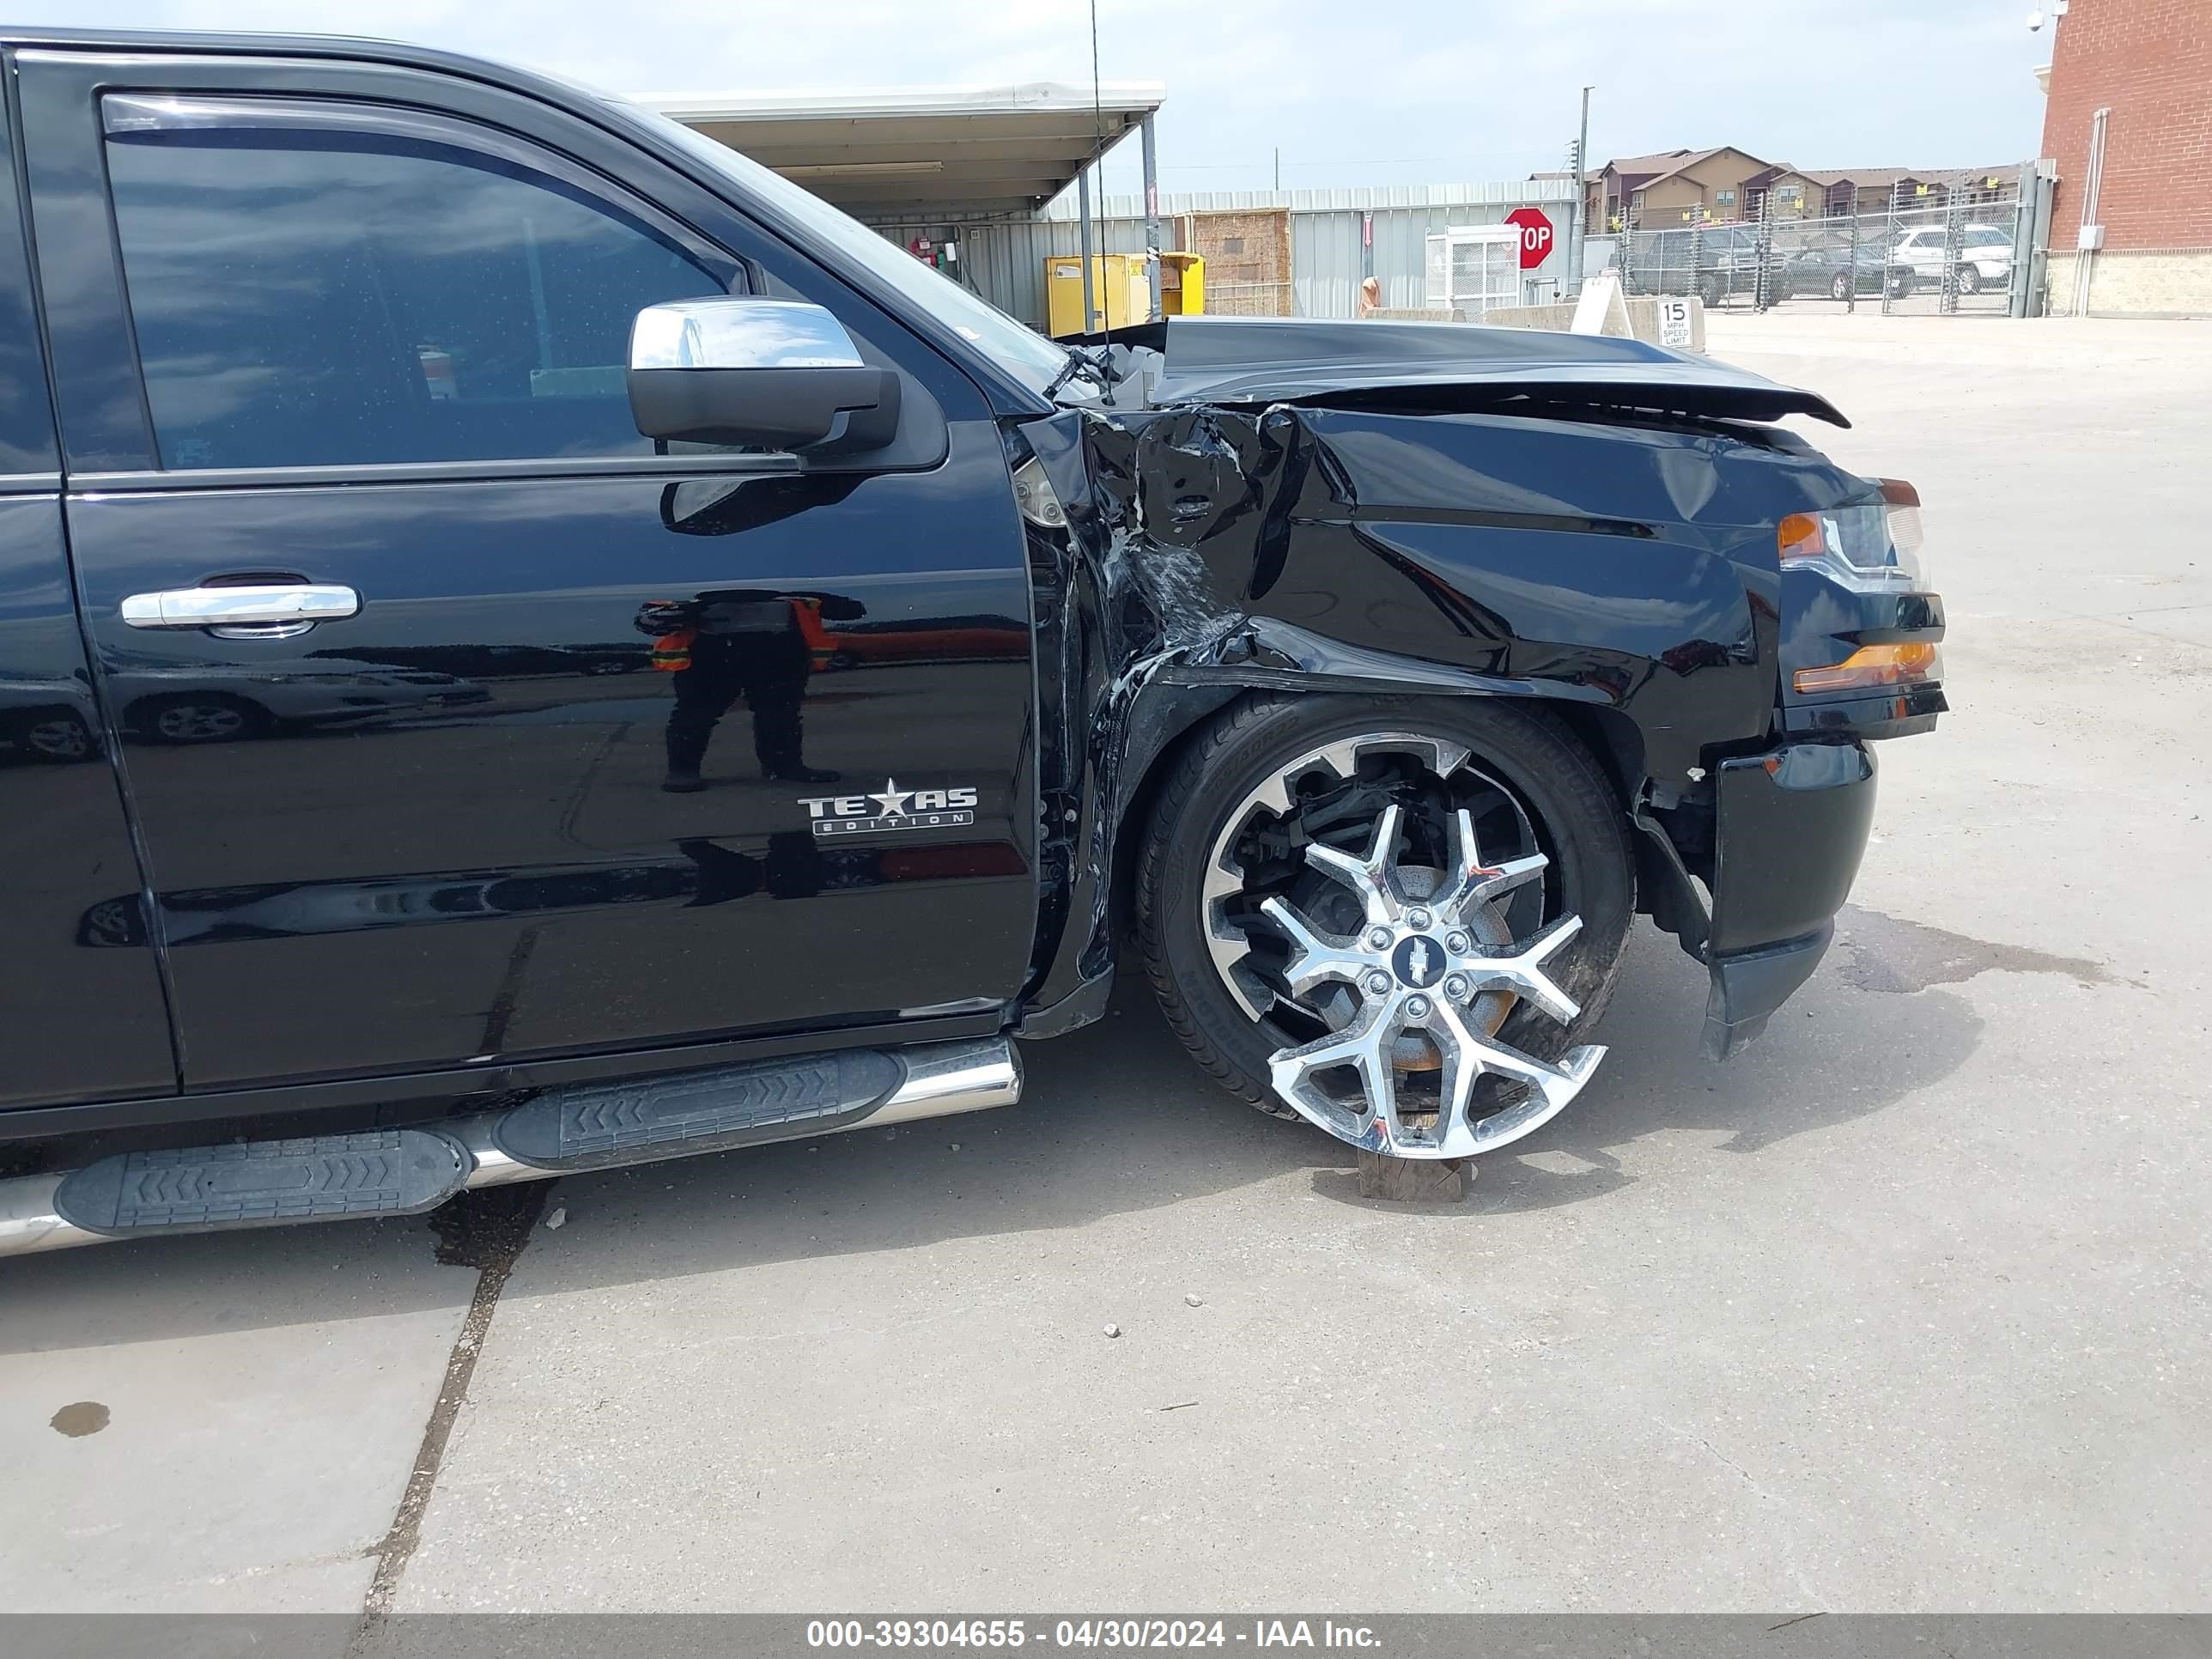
1543,821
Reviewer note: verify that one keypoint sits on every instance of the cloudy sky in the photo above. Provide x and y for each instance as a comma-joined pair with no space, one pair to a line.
1349,91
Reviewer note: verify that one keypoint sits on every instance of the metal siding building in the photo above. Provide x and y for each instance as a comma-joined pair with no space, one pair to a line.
1004,260
974,166
1327,258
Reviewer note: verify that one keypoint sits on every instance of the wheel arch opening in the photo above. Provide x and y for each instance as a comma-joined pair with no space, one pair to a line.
1170,722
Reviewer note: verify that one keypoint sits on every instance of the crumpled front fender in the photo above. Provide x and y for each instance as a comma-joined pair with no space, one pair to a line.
1622,568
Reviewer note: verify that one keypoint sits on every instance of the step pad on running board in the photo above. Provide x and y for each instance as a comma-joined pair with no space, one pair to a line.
590,1125
265,1183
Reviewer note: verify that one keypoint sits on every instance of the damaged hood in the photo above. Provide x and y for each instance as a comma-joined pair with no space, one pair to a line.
1270,359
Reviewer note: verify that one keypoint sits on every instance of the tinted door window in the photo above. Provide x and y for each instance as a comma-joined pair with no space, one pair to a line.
27,419
311,298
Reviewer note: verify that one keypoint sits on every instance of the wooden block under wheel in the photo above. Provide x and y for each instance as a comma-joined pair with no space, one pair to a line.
1415,1180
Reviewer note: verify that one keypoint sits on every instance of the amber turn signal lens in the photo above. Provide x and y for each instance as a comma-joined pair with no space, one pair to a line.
1801,537
1871,666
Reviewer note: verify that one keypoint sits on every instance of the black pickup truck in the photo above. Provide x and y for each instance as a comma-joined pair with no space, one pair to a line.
530,643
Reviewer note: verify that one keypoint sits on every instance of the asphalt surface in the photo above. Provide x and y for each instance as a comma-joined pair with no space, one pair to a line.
1905,1309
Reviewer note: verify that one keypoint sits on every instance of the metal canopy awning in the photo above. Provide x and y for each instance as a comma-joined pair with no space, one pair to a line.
945,153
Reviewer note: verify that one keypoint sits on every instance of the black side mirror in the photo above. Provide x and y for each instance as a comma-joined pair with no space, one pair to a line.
778,373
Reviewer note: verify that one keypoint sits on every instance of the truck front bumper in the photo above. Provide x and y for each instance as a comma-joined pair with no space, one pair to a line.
1792,827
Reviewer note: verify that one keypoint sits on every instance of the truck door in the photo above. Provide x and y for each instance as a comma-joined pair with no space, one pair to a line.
80,984
553,744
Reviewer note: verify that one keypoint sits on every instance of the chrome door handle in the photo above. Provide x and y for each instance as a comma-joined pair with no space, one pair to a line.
276,611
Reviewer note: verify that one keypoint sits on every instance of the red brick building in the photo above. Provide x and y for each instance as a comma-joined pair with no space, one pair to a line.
2148,64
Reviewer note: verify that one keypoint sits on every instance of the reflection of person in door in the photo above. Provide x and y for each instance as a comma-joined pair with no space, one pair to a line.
733,642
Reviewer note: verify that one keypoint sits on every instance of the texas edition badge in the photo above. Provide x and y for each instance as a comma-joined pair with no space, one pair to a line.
891,808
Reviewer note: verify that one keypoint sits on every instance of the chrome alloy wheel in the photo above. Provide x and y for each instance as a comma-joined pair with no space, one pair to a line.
1403,968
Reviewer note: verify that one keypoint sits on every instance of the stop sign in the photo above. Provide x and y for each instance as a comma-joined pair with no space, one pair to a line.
1535,235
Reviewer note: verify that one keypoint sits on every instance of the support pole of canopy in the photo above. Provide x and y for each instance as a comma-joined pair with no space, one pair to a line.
1151,211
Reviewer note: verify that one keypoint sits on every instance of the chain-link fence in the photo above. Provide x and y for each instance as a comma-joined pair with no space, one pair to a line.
1898,254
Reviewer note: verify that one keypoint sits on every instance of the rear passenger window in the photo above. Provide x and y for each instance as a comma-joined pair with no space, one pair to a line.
306,297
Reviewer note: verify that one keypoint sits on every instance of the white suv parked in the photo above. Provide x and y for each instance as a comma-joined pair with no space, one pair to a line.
1984,256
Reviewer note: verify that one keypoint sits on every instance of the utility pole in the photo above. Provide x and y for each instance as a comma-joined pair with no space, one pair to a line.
1580,223
1082,218
1278,167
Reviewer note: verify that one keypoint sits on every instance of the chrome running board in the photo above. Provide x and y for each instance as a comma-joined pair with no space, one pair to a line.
273,1183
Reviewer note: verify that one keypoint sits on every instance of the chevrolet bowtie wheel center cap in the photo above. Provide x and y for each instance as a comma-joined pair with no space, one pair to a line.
1418,962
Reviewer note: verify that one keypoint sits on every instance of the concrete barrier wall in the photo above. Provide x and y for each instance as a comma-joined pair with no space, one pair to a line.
1643,318
1561,317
